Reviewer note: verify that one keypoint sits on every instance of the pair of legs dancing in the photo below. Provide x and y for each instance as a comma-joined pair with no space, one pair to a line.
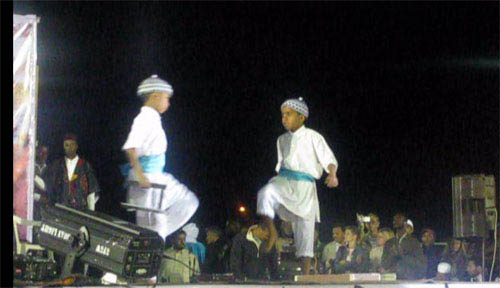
294,202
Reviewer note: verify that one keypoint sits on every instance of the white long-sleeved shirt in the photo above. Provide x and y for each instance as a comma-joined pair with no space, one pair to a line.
305,150
71,165
329,253
172,271
147,135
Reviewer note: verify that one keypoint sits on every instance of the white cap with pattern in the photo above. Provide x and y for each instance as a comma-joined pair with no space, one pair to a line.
297,104
444,268
154,84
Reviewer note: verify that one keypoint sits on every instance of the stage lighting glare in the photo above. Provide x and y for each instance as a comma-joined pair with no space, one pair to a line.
242,209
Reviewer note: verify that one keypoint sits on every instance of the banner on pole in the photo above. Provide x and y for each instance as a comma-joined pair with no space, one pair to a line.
24,130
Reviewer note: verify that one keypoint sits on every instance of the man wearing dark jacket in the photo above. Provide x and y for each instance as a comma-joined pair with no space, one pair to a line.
403,254
72,181
353,257
246,260
431,252
216,249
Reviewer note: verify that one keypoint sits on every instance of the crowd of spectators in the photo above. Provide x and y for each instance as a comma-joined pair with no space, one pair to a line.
366,247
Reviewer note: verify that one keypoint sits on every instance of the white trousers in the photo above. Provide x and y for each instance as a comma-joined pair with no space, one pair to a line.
176,200
275,198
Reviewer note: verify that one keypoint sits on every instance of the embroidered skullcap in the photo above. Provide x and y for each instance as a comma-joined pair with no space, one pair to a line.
154,84
70,136
192,232
444,268
297,104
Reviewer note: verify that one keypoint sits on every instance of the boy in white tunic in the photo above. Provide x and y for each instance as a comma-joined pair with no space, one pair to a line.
145,149
303,154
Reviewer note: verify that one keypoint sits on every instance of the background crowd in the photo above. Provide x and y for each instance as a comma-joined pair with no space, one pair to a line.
362,248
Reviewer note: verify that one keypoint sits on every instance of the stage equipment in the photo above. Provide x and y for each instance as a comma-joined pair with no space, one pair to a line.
34,268
345,278
469,194
288,264
103,241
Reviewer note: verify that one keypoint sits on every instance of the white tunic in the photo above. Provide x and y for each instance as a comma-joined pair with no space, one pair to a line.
147,135
179,203
306,151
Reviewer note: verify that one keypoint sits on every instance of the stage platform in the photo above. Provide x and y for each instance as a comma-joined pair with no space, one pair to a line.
350,285
397,284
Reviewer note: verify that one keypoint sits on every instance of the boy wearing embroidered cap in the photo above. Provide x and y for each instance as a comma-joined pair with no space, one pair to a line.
303,154
145,149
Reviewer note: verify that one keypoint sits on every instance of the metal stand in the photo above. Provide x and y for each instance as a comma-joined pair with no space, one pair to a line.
69,262
482,267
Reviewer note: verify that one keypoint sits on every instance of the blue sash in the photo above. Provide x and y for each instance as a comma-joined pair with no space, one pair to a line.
295,175
149,164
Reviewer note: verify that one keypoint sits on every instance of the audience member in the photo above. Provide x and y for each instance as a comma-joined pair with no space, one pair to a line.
316,264
330,250
409,227
246,260
178,264
474,271
431,252
195,247
352,258
457,257
72,181
232,228
369,238
376,252
285,238
40,180
403,254
443,272
216,249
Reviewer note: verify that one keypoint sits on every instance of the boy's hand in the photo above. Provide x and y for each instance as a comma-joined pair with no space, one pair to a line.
331,181
143,181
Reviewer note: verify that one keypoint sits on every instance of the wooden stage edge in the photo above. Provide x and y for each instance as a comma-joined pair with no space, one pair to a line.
393,284
350,285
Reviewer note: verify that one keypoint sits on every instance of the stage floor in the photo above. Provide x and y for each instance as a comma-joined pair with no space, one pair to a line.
346,285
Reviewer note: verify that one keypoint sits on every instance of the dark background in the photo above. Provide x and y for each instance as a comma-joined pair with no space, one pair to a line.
407,96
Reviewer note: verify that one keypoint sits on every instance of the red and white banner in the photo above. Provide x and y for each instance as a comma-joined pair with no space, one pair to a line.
25,101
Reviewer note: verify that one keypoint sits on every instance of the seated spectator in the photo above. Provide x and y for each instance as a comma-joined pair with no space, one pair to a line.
443,272
195,247
246,259
431,252
369,239
352,258
40,193
376,252
178,264
330,250
403,254
285,238
455,255
216,249
409,227
474,271
232,228
317,266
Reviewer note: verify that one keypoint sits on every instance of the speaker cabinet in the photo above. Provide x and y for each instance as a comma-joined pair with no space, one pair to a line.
469,217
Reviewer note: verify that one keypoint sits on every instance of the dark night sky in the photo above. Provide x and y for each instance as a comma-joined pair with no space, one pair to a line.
407,95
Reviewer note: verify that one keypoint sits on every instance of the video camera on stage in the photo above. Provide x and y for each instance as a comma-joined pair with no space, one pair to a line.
102,241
